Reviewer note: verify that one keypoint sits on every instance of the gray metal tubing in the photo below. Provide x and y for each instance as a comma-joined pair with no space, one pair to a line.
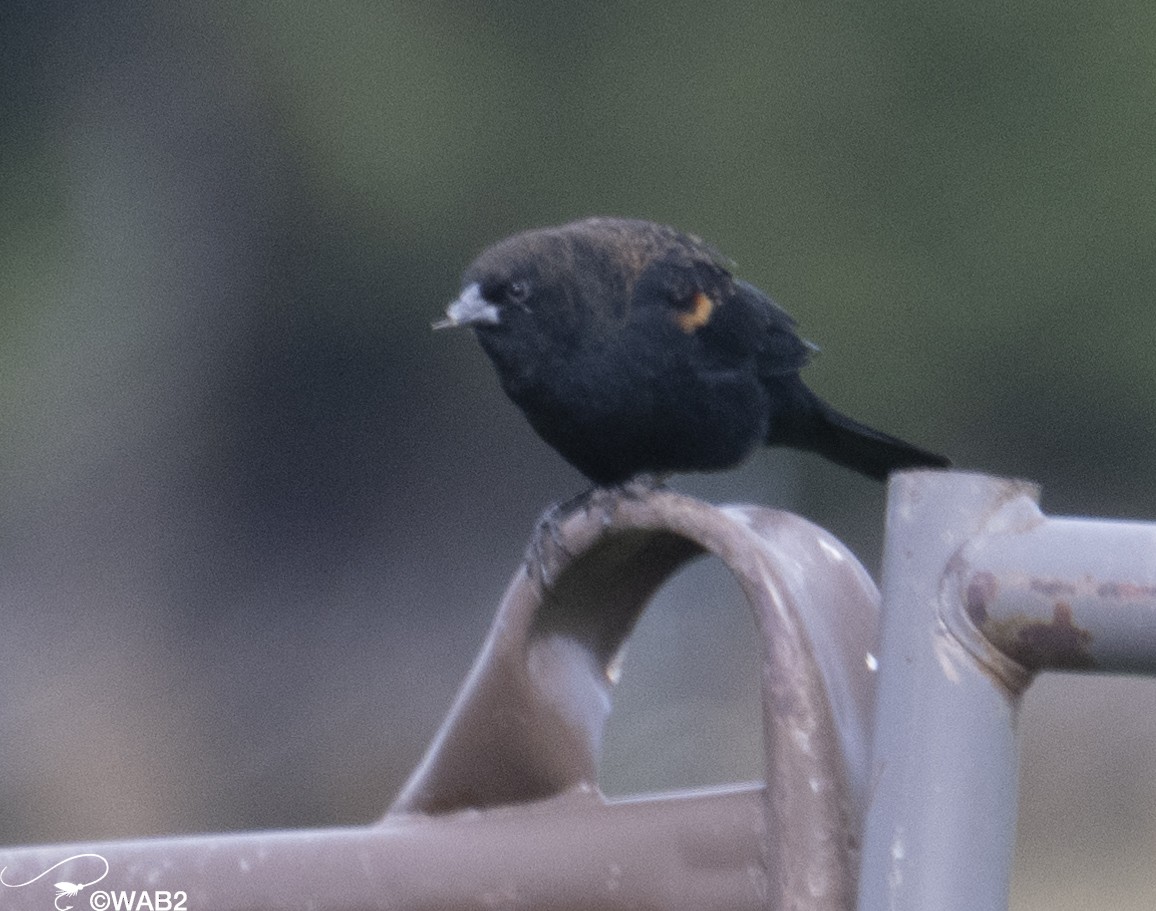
698,852
1064,594
941,820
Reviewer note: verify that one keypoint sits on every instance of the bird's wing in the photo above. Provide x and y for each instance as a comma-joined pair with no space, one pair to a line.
751,321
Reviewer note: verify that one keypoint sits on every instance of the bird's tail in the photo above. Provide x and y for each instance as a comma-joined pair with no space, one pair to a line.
815,426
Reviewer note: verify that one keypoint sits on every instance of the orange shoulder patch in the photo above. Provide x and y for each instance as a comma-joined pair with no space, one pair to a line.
701,308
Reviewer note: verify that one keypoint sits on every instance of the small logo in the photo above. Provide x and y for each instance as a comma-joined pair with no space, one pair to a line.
64,889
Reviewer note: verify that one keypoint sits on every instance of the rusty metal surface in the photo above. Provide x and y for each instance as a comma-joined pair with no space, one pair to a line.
982,592
504,811
1064,594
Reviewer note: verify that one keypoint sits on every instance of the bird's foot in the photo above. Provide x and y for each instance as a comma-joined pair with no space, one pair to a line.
547,550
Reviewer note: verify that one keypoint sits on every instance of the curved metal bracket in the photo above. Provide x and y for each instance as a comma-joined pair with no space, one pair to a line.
528,721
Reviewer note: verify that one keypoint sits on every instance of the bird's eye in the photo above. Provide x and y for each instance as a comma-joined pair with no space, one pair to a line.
517,291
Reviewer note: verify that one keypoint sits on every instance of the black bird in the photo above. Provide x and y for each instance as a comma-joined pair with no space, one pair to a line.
632,349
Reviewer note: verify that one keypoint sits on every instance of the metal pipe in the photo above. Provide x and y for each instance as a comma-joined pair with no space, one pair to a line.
1064,594
528,722
941,822
700,852
504,810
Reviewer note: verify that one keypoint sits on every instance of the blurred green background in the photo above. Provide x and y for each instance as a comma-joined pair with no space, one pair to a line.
255,516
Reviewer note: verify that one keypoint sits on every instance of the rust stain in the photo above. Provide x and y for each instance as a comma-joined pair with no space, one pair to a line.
1126,591
1060,645
981,590
1053,588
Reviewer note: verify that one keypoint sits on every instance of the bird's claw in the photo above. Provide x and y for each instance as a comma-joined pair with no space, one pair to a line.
547,550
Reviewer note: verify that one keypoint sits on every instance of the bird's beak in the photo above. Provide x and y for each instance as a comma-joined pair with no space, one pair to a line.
470,309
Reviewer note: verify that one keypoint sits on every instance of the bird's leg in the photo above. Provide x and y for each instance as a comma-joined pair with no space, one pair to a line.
546,545
603,499
546,541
